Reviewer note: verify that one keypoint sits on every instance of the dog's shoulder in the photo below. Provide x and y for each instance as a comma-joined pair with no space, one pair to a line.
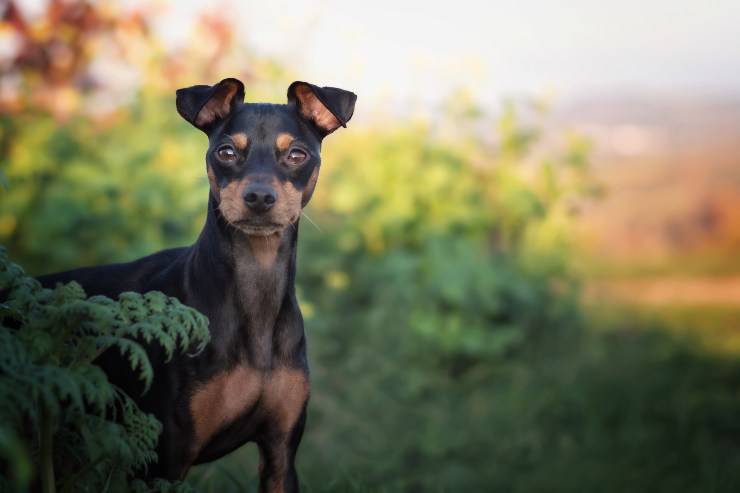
113,279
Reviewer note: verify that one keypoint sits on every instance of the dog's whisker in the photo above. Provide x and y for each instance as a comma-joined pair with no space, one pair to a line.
311,221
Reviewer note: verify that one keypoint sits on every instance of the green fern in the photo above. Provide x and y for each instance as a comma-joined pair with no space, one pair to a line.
61,420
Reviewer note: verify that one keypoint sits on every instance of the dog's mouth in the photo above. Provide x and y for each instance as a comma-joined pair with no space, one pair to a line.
259,229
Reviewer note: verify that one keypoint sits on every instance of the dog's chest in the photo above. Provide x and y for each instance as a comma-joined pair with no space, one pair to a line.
277,395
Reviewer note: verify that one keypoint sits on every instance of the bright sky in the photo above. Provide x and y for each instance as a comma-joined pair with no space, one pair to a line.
421,50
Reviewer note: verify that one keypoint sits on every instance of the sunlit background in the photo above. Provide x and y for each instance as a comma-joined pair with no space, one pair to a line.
521,271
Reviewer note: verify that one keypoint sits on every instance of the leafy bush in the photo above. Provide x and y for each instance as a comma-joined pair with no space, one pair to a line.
470,258
100,182
61,420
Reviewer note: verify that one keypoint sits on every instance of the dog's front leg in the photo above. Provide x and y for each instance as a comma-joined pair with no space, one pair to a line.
277,459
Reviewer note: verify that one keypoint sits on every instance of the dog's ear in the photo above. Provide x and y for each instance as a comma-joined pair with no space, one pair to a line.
328,108
203,106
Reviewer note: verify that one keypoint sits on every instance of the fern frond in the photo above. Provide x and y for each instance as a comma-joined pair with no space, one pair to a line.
49,341
137,356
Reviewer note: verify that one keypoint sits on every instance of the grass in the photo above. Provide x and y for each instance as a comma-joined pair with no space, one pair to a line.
647,399
714,328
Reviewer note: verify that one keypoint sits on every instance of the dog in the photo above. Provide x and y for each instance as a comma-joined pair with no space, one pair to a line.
251,383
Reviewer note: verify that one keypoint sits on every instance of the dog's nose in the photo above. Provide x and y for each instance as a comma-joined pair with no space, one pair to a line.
259,198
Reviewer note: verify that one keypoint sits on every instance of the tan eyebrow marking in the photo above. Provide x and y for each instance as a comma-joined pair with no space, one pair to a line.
240,140
283,141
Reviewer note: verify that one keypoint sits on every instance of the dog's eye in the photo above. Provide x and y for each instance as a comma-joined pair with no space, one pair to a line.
296,157
226,153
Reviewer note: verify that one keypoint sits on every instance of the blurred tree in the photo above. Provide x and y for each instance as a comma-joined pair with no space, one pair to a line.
51,61
83,56
95,159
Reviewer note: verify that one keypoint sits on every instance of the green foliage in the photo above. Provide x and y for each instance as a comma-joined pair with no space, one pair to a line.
469,256
77,186
52,392
624,409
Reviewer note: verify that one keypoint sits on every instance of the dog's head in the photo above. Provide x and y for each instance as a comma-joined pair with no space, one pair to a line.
263,159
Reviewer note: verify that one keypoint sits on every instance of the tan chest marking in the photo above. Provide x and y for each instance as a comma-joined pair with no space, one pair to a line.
223,399
281,395
285,396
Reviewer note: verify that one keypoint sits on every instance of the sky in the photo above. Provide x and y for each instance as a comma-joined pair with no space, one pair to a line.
414,50
401,51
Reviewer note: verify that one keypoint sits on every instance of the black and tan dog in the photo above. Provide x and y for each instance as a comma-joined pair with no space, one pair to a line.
251,382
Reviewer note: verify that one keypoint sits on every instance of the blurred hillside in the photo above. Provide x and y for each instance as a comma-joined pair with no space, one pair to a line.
671,168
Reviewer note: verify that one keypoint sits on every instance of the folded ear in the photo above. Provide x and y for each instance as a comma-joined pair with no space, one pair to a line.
327,108
203,106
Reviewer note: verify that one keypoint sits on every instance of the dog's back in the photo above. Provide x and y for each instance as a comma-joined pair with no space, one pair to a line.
159,271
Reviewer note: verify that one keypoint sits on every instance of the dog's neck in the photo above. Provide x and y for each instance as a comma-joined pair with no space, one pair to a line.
253,274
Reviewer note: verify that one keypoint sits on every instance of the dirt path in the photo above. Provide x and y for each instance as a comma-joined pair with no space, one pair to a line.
667,290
